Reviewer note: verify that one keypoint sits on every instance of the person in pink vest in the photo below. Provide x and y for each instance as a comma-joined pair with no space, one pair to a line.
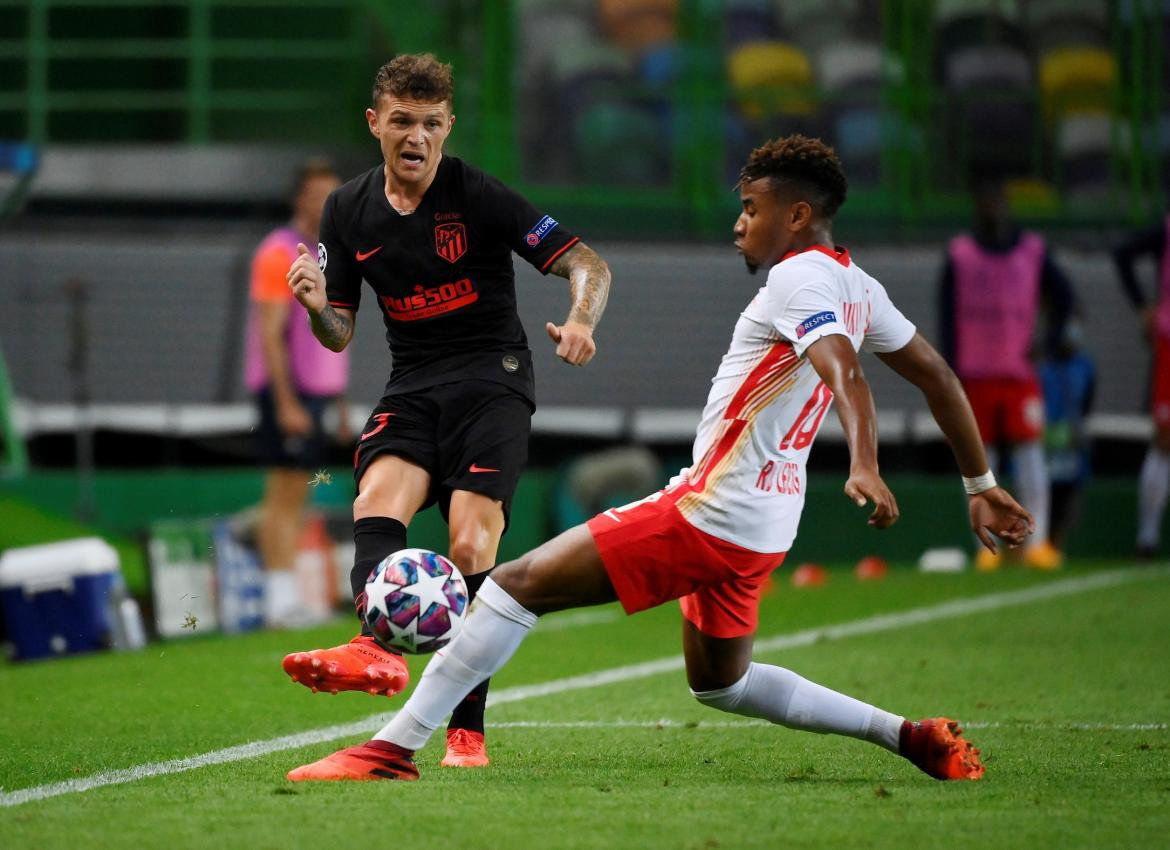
293,379
996,281
1154,481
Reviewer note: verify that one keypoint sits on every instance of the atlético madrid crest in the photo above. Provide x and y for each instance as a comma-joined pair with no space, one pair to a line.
451,240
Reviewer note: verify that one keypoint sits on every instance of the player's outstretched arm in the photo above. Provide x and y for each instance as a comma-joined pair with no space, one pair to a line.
589,280
333,327
993,512
836,362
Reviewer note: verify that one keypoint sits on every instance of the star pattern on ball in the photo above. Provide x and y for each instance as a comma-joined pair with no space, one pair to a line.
406,638
429,590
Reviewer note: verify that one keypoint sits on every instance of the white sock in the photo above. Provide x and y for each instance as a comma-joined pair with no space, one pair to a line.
1153,488
495,626
1032,482
783,697
282,595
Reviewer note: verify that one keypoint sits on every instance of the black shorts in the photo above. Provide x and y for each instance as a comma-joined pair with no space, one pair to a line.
470,435
275,448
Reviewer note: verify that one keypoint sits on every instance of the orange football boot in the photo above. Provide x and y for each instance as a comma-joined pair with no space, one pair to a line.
1043,556
465,749
360,665
366,762
936,746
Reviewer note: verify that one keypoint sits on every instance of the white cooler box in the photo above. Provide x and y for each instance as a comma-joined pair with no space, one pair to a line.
66,597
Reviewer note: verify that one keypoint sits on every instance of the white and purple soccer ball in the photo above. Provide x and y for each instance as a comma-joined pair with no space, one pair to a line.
415,601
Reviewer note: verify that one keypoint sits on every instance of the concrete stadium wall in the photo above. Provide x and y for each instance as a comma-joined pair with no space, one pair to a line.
165,322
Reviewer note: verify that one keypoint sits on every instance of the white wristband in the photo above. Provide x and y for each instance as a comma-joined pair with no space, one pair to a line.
978,484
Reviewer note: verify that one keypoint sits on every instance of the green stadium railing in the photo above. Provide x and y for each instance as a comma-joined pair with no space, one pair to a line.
298,71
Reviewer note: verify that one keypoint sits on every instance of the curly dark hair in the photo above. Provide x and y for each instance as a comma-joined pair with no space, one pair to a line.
809,164
418,76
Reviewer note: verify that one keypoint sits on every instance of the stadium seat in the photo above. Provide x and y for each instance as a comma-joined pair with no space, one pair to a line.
947,10
987,65
635,25
749,20
581,75
620,143
997,128
857,137
976,28
851,76
546,29
1083,152
770,77
816,23
1068,28
1076,80
844,67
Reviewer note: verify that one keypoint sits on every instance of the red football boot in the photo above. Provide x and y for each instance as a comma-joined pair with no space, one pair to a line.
360,665
465,748
936,746
366,762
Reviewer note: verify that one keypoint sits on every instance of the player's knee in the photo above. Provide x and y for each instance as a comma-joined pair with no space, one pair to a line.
469,551
521,580
366,504
724,699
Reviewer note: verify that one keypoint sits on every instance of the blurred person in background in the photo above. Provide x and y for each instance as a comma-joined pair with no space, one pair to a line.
293,379
434,237
1154,316
1069,381
995,283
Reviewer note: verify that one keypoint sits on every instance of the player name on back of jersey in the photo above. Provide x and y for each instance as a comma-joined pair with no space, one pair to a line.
426,303
782,478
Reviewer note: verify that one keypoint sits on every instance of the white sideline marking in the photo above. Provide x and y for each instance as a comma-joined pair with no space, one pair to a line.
869,625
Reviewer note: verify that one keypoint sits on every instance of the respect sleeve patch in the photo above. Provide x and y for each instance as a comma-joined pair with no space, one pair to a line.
542,229
812,322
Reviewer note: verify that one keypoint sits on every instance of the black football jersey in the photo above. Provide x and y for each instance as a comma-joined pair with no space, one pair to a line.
442,275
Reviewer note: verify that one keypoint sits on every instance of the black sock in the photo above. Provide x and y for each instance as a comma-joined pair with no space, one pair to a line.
374,538
469,713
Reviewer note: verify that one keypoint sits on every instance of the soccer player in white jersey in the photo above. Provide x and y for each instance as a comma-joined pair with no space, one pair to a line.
713,535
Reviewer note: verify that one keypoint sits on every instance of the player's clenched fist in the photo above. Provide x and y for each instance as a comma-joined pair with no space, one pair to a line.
574,342
307,281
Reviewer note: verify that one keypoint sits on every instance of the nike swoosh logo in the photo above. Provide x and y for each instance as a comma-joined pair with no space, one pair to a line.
474,468
360,256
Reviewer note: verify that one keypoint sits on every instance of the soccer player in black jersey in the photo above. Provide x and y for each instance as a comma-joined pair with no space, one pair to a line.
433,237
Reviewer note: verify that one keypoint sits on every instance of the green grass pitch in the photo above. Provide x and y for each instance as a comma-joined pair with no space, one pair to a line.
1068,697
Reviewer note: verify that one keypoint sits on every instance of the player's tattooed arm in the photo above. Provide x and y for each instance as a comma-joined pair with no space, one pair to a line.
588,277
589,280
332,327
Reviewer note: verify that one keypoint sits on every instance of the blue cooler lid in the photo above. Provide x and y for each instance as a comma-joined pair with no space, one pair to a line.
57,563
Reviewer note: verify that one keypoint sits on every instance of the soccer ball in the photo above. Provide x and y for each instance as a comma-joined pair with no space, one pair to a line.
415,601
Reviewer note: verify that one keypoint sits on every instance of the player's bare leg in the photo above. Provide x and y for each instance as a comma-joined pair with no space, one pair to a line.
281,516
389,494
723,676
476,523
1031,473
565,572
1153,489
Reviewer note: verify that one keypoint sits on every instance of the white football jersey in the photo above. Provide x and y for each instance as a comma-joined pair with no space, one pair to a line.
746,483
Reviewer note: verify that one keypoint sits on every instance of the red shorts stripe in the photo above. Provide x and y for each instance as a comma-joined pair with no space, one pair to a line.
1009,409
653,555
1160,391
